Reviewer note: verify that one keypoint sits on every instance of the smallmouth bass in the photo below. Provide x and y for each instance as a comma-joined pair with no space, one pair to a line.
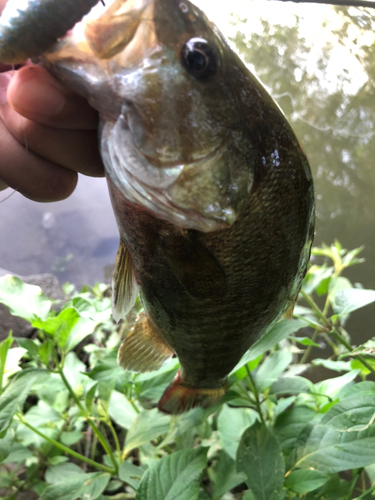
212,193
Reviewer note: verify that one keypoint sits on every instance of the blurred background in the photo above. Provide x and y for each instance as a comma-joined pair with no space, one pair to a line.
318,62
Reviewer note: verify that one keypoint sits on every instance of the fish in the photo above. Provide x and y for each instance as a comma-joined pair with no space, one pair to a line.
211,190
19,37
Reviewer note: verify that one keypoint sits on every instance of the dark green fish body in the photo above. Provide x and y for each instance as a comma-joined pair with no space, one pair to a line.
212,193
241,279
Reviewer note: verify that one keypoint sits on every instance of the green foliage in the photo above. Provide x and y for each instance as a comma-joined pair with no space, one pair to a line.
74,425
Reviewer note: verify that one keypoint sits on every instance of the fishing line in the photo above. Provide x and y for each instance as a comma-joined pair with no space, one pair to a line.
7,198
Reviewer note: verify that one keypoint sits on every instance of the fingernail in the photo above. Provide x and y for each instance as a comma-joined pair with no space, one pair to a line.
38,98
4,82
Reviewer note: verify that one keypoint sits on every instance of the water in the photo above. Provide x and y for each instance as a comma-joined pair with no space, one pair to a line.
75,239
319,64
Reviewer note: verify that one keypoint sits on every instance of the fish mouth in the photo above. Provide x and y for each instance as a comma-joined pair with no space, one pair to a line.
153,145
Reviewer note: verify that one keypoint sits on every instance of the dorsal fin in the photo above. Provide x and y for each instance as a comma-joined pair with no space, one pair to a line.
143,350
124,285
289,312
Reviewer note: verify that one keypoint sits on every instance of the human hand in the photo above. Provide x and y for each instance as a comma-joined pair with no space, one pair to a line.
47,134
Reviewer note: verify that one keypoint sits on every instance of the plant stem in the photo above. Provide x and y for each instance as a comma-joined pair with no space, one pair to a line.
306,354
97,432
117,444
353,483
316,309
349,348
131,402
254,390
65,448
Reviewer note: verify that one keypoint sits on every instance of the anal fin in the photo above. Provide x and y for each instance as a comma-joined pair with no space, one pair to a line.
143,350
124,285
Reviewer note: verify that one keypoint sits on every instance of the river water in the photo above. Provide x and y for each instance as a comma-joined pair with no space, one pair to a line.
316,62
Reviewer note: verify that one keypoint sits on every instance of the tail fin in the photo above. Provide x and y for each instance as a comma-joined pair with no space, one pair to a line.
178,398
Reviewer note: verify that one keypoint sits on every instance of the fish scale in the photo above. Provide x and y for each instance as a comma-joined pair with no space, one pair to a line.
212,193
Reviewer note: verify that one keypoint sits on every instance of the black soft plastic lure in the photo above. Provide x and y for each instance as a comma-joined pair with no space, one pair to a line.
30,27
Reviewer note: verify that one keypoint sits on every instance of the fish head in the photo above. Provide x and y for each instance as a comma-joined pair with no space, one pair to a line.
167,86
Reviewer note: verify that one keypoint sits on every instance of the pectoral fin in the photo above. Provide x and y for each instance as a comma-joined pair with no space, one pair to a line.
124,285
196,268
143,350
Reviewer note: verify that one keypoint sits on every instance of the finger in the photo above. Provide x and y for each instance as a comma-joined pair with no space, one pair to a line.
38,96
74,149
3,186
31,175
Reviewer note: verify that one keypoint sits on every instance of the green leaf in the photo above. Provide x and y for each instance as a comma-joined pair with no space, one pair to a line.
6,445
226,476
272,367
87,486
61,472
12,398
315,277
231,424
289,424
25,301
174,477
330,450
258,454
347,301
59,326
338,366
305,341
18,454
305,480
355,413
130,474
74,370
332,386
249,495
148,425
45,351
4,348
70,438
106,368
272,336
121,410
291,385
180,424
360,389
29,345
337,283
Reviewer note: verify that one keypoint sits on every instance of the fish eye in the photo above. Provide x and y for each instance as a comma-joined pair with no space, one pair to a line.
199,59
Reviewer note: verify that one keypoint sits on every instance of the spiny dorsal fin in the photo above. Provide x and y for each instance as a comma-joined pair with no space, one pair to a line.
289,312
124,285
143,350
196,267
